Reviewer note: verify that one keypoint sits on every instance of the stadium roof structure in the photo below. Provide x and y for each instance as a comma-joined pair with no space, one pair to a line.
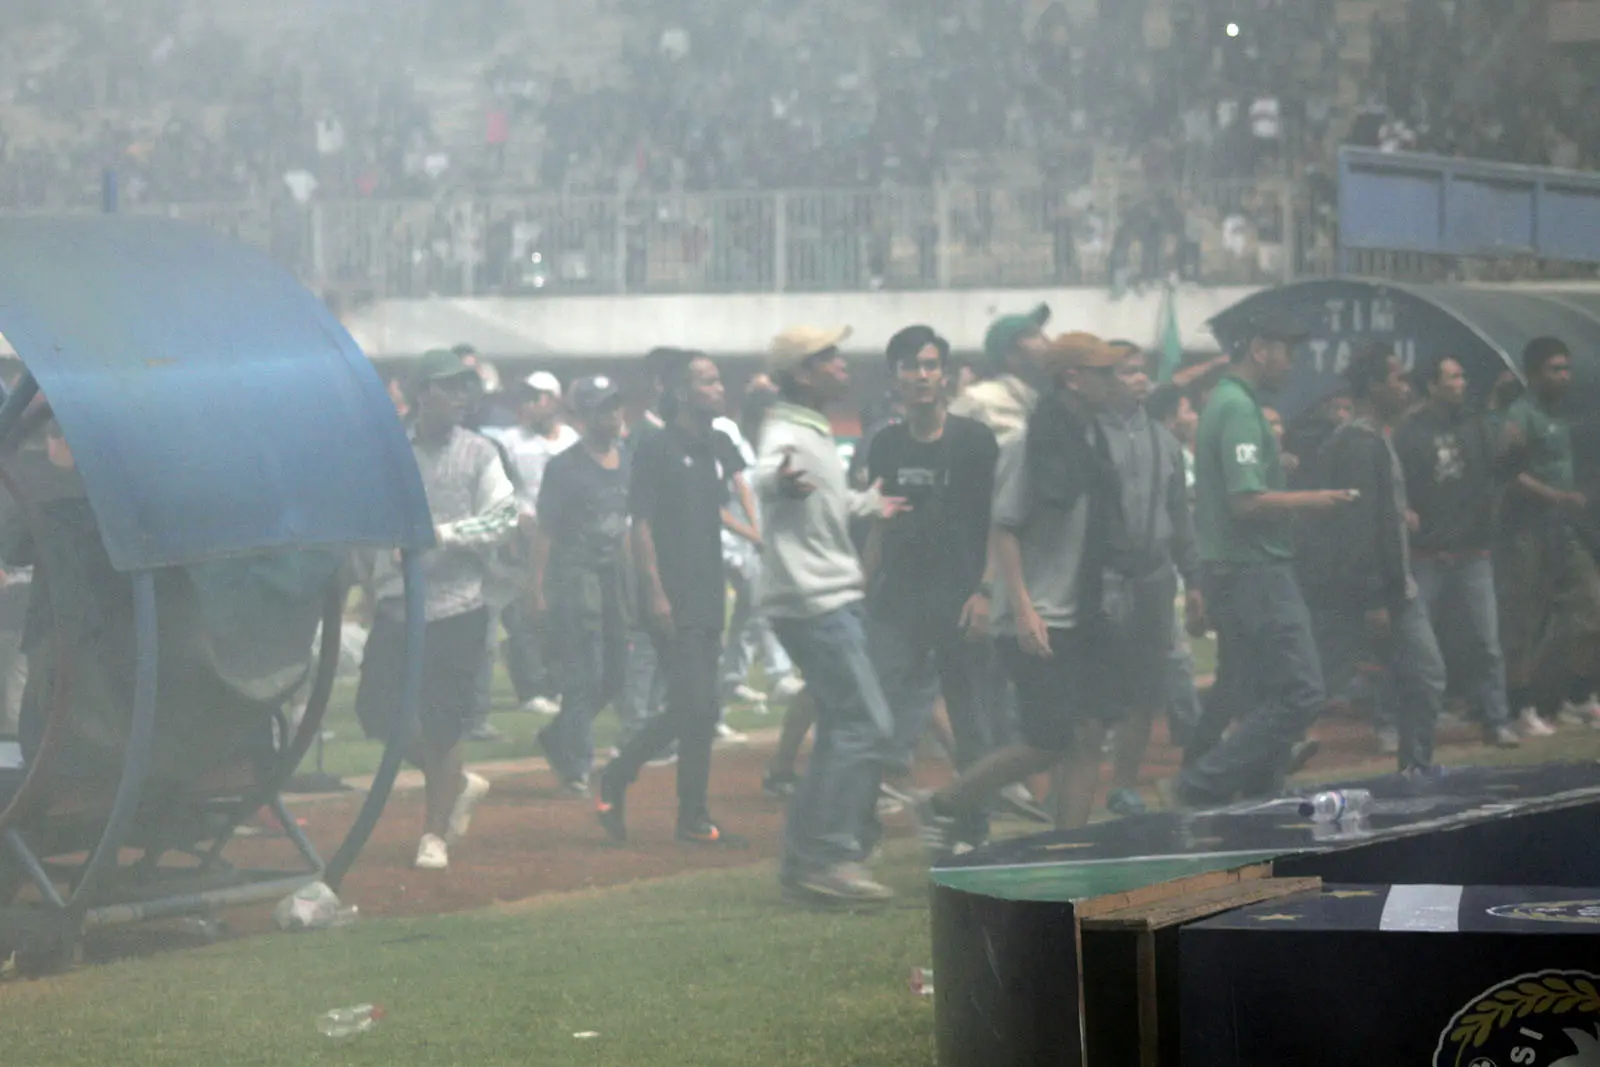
213,405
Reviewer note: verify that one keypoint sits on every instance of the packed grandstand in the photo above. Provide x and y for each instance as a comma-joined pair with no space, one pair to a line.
518,146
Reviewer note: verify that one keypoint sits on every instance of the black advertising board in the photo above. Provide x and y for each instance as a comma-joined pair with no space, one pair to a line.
1443,975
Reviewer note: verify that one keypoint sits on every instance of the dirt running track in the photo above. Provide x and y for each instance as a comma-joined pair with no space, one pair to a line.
526,840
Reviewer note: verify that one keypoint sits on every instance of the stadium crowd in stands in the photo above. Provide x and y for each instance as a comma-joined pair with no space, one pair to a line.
200,103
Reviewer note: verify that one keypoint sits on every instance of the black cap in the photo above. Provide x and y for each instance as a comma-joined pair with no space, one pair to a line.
589,395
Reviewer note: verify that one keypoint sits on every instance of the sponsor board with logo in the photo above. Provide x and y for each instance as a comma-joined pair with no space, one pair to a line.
1452,976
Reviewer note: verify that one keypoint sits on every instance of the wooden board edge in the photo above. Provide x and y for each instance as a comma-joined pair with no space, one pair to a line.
1093,907
1176,911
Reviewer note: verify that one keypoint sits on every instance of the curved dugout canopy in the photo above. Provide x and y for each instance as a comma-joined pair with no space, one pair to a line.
214,406
1484,328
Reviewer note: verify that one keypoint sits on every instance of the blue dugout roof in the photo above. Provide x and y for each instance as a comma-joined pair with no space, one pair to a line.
214,406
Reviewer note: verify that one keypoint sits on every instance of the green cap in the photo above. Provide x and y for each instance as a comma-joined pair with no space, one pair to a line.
441,364
1007,329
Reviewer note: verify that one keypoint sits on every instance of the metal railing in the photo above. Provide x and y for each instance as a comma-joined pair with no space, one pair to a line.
791,241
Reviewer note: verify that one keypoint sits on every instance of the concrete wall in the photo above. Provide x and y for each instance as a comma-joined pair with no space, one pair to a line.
742,324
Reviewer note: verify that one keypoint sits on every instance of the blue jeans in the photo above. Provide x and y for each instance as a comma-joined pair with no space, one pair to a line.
1465,585
523,646
1183,703
1268,681
827,815
1409,681
523,663
590,641
750,635
914,664
644,688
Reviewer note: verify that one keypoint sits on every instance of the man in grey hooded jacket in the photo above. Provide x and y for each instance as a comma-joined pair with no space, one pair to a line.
813,590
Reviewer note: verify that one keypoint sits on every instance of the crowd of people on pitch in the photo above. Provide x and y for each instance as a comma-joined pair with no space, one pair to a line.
1000,564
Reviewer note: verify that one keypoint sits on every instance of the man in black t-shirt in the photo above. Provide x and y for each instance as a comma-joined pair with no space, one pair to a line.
579,556
644,690
925,566
1452,462
678,493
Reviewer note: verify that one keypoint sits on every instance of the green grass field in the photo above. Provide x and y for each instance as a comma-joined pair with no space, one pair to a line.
694,971
697,970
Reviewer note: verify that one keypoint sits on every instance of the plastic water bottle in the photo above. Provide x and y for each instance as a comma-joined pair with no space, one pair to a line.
343,1022
1337,804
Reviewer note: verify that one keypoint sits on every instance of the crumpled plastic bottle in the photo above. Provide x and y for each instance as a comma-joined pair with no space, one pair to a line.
344,1022
313,907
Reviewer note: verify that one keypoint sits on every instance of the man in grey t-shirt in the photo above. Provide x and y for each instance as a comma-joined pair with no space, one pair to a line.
1055,507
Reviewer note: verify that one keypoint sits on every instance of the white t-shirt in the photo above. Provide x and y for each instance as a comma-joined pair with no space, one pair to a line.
330,137
530,452
1236,234
301,183
736,551
1396,136
1264,118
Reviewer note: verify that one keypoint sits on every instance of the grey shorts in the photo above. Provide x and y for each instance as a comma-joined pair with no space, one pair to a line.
1144,639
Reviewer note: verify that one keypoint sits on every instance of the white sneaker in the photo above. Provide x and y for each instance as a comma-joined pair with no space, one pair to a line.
730,735
789,687
744,694
889,789
542,706
461,814
1583,713
432,854
1533,725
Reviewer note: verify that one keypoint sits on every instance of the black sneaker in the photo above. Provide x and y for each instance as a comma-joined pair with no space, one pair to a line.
1300,754
609,807
937,830
779,786
706,832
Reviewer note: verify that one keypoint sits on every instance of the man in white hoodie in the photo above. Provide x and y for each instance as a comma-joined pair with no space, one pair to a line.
812,588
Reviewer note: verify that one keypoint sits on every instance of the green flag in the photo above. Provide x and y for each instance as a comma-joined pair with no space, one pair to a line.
1171,342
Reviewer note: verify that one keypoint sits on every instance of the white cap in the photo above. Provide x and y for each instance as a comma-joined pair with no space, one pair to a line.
543,381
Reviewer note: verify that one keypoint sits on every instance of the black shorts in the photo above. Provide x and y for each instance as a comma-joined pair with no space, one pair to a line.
1056,694
455,650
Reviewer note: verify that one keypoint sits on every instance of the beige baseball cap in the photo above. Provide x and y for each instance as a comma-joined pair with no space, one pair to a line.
791,348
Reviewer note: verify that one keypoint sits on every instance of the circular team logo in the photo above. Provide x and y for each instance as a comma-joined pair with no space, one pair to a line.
1551,911
1545,1019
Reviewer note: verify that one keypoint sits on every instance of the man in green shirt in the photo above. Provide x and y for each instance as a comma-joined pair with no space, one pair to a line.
1546,582
1268,679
